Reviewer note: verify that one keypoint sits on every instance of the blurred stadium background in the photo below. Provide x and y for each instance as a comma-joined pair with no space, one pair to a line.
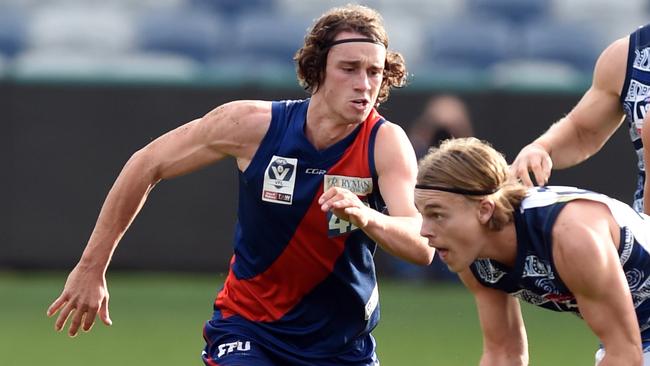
83,84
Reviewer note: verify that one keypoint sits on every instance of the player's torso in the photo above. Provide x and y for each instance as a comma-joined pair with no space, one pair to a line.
297,270
535,279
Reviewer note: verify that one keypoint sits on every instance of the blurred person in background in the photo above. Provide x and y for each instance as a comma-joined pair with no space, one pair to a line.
444,116
620,90
560,248
317,179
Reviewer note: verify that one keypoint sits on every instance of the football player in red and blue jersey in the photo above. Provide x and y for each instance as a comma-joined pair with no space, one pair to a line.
322,181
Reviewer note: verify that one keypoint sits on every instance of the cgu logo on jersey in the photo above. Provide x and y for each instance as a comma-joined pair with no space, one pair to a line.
279,180
226,348
315,171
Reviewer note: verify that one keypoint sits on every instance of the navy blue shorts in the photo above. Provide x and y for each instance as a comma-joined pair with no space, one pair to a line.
224,348
235,350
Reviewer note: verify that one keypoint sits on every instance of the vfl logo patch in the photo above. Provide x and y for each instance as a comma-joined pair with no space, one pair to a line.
279,180
226,348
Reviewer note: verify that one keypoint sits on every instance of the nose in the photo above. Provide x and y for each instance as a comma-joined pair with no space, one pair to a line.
362,81
426,230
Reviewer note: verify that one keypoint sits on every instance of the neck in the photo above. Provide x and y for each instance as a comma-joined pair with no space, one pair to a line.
501,245
325,127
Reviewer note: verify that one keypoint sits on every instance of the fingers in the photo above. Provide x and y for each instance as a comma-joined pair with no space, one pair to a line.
89,318
539,169
63,317
103,312
541,177
331,197
327,195
77,318
56,305
81,316
521,173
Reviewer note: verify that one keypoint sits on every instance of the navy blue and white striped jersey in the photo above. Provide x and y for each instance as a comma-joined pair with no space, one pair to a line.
534,278
635,98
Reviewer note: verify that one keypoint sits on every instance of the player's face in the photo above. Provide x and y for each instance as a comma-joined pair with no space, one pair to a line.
353,77
451,224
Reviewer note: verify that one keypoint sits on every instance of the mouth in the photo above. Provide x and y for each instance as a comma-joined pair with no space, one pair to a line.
361,103
443,253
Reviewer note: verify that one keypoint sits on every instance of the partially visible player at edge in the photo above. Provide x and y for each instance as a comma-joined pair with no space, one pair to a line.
560,248
321,181
620,90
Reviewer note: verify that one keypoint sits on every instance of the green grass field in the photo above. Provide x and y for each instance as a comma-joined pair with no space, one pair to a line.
157,320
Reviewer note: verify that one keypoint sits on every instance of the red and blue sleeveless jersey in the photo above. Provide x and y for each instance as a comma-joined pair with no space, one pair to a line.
302,280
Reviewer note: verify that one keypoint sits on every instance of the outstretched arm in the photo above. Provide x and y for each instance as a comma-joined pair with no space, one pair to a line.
585,129
504,334
585,254
234,129
399,232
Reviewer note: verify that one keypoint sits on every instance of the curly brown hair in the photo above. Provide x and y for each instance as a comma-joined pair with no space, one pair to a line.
311,59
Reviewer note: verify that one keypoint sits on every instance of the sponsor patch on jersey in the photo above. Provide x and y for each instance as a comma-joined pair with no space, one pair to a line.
371,305
642,59
356,185
279,180
230,347
536,267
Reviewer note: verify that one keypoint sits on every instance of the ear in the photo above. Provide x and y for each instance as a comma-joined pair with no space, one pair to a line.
485,210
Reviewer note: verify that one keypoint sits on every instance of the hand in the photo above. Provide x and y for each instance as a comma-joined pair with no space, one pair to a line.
84,295
346,206
532,159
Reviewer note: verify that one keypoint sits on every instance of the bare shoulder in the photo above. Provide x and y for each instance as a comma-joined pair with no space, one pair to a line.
580,227
238,127
393,144
391,132
609,72
249,114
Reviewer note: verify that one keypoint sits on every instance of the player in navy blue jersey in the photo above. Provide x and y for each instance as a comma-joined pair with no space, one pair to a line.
560,248
318,179
620,91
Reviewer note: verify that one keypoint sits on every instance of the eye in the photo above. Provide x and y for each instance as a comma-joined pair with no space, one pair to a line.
434,215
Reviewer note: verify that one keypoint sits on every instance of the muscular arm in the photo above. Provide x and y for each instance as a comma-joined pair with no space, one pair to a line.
586,258
234,129
586,128
645,137
399,232
504,334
